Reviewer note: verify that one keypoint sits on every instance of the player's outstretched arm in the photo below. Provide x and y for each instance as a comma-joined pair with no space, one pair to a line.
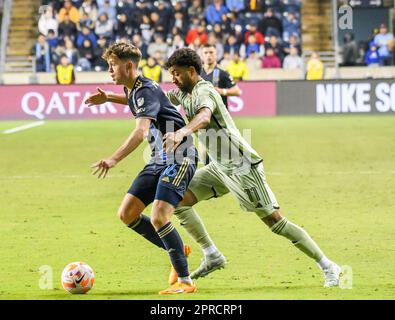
131,143
101,97
171,140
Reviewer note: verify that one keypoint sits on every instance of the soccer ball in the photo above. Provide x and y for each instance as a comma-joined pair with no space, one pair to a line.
77,278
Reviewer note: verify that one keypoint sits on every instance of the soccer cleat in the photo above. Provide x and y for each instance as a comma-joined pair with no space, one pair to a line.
332,275
173,276
180,287
208,265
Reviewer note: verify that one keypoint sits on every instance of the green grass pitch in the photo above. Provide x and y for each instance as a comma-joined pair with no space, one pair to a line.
335,176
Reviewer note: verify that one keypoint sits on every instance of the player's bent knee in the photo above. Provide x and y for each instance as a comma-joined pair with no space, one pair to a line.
127,216
273,218
158,220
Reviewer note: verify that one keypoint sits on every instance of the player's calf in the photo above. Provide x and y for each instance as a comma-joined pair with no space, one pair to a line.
302,240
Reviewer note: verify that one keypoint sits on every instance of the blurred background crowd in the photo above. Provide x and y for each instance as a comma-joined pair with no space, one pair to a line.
248,34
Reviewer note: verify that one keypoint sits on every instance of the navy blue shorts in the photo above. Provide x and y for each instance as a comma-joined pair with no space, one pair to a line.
163,182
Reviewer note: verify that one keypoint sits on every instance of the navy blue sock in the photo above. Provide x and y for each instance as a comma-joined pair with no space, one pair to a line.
175,248
144,227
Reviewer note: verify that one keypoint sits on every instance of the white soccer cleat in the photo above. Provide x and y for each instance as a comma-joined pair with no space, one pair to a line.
209,264
332,276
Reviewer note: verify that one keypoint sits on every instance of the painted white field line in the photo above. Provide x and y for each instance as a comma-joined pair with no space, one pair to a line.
24,127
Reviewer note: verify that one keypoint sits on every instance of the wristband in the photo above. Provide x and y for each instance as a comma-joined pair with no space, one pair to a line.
224,92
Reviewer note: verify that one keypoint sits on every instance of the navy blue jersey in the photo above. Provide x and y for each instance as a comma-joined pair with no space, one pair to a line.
147,100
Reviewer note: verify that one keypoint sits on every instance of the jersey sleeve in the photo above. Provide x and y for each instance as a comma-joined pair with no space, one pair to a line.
173,96
204,97
228,80
148,104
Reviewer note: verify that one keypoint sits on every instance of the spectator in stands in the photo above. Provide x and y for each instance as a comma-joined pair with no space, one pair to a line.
142,9
196,46
293,42
158,46
85,21
52,39
271,60
227,59
383,40
271,25
70,10
165,16
67,28
235,5
197,30
219,47
123,26
372,56
104,27
255,5
252,46
231,45
89,7
107,8
218,32
196,10
159,58
214,11
152,70
65,71
178,6
102,3
47,22
315,68
239,34
254,62
86,34
146,30
158,24
42,53
291,26
293,60
180,22
87,56
178,43
138,42
237,68
70,51
252,30
276,46
99,64
350,50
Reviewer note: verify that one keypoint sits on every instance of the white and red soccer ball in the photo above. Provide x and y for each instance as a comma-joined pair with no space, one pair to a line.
78,277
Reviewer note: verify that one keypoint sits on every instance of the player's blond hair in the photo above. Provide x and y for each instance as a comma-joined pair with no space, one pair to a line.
124,51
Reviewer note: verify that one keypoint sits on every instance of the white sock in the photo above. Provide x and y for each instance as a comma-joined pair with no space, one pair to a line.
185,280
324,263
210,250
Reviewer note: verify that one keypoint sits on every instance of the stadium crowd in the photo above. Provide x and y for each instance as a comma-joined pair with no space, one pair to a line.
246,33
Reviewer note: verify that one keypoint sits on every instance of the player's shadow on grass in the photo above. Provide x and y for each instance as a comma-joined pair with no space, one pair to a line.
256,289
97,295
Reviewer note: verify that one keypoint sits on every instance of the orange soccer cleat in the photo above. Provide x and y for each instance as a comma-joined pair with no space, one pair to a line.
180,287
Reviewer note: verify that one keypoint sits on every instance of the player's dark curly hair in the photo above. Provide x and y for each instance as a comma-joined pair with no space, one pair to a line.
185,57
124,51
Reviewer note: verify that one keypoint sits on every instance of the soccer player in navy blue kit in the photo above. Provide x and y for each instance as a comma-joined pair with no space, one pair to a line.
166,177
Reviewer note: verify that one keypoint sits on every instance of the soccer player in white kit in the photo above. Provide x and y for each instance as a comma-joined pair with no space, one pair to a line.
234,167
